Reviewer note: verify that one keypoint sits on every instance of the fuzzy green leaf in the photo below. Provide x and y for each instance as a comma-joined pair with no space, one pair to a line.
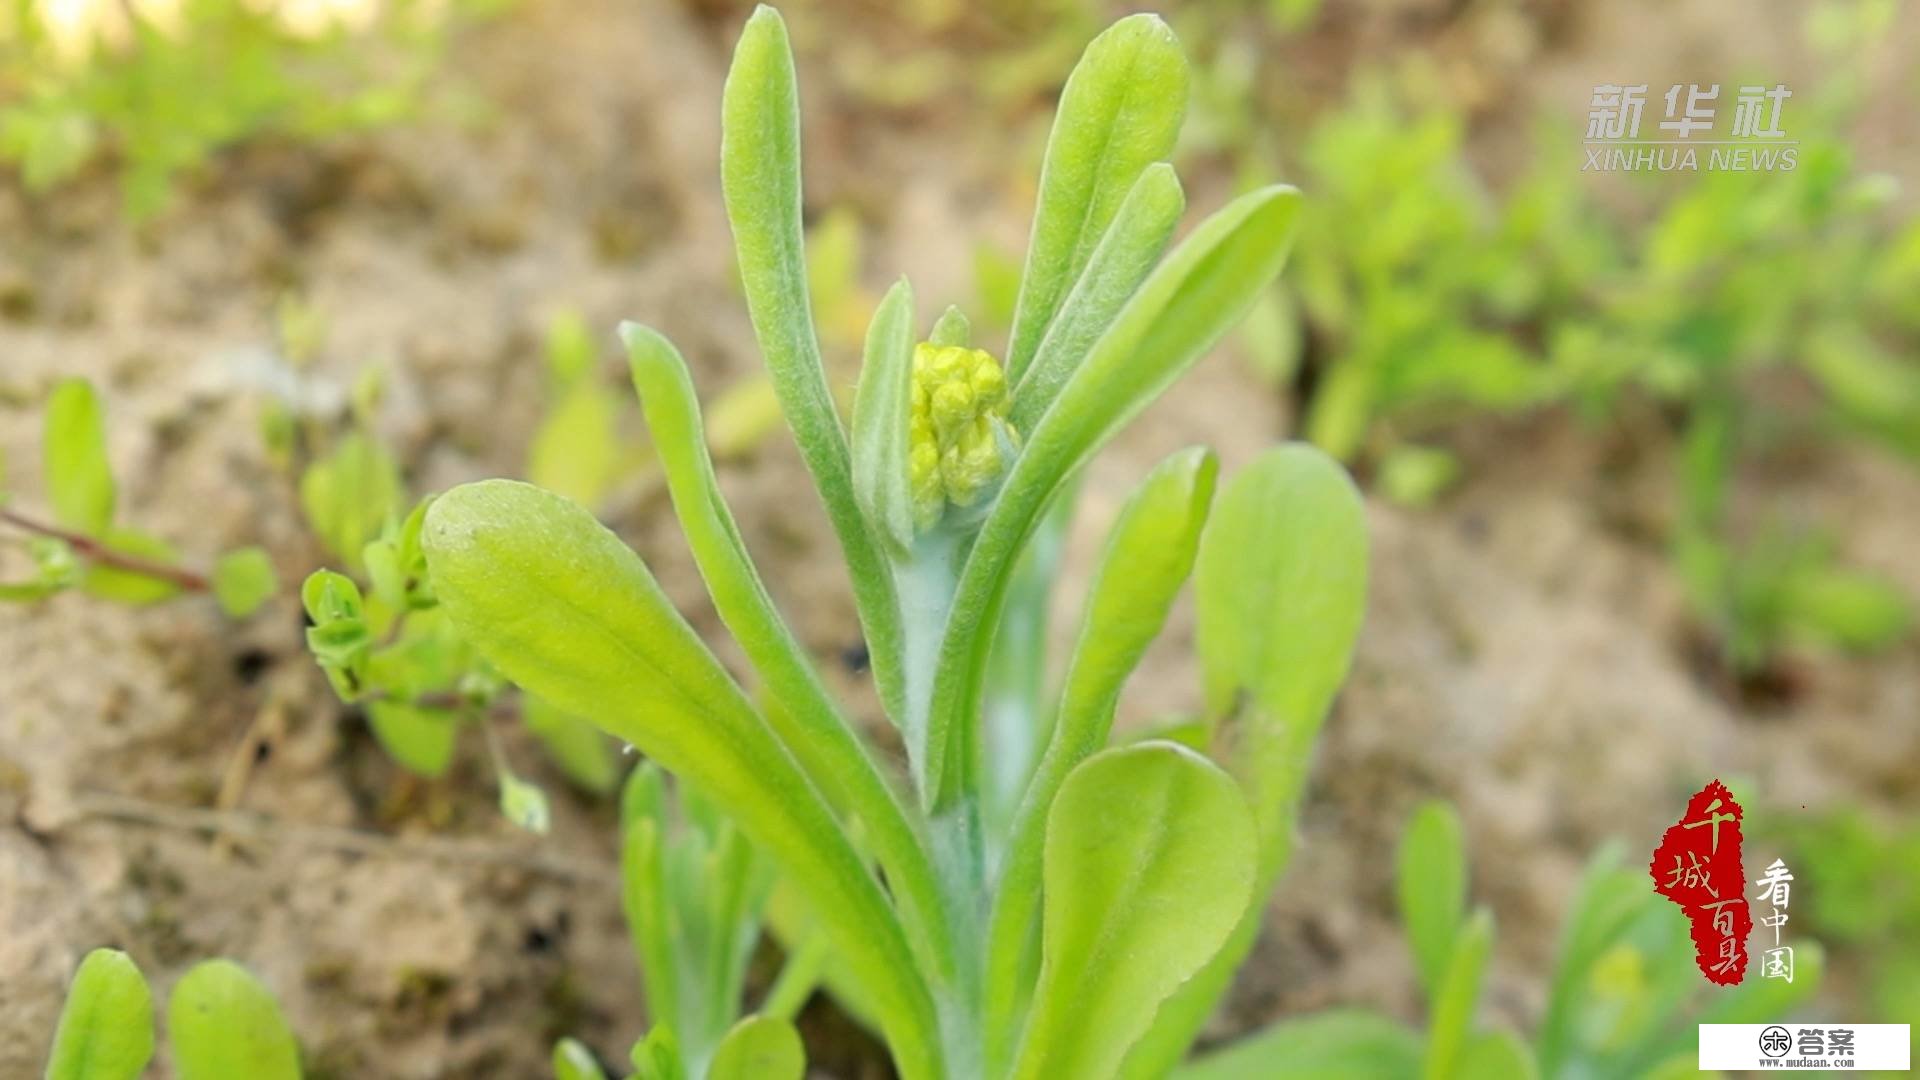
74,445
1279,589
524,804
224,1024
808,721
561,607
1282,563
1120,112
243,580
106,1027
760,177
1458,997
1341,1045
882,404
1182,309
1149,864
951,328
1148,556
759,1048
1432,882
573,1061
1123,259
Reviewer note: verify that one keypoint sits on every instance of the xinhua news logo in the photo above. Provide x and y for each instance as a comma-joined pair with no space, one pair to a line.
1690,138
1858,1047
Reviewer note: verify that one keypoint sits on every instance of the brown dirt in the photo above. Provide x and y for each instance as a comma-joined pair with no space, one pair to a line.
1523,656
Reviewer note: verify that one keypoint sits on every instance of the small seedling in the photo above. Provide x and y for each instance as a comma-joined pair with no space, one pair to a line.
1624,1002
984,924
222,1025
82,547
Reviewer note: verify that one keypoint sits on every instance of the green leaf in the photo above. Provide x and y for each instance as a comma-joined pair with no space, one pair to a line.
760,177
1120,112
224,1024
130,586
573,1061
243,580
1433,888
1499,1055
1279,590
1148,556
951,328
1123,259
348,495
1149,864
421,740
580,750
882,404
106,1027
576,449
1458,997
1283,564
524,804
808,720
759,1048
1339,1045
561,607
74,444
1184,306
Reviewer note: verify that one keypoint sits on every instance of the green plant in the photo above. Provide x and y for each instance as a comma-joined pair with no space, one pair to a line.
1044,942
161,92
222,1022
1624,999
83,548
695,894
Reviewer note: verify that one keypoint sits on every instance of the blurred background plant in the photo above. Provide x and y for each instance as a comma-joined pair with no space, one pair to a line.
156,87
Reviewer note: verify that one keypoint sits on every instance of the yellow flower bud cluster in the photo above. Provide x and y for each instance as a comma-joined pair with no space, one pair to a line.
959,400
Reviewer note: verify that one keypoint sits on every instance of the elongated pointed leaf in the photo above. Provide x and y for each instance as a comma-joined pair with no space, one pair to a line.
1120,112
1149,864
760,175
1148,557
759,1048
224,1024
1433,888
1283,563
106,1027
1279,589
1126,254
1342,1045
131,586
1181,310
951,328
808,721
561,607
1458,998
882,404
74,447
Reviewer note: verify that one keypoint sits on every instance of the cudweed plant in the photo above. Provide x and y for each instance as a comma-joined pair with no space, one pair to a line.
81,545
1624,999
1088,927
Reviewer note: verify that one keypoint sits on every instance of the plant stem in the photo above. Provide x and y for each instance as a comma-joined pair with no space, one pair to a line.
95,551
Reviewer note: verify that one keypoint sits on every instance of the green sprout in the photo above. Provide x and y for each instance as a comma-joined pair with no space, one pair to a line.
222,1022
81,546
1026,938
1625,999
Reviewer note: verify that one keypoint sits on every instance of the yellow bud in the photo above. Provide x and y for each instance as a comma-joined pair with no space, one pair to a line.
959,394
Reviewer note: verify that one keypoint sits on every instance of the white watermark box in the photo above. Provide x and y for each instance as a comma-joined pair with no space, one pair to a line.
1860,1047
